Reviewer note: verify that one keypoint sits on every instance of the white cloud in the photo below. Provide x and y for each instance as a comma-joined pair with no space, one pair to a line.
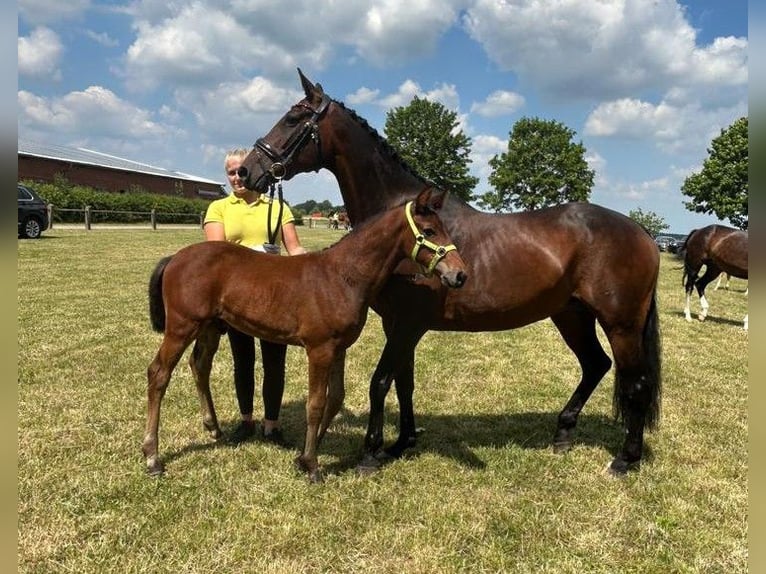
395,31
580,48
672,127
68,114
362,96
498,103
445,94
38,12
238,111
40,54
102,38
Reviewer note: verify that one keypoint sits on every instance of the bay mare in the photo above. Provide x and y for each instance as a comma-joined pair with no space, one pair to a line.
720,249
577,264
318,301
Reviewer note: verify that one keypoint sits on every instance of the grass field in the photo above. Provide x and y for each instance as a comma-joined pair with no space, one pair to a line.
483,491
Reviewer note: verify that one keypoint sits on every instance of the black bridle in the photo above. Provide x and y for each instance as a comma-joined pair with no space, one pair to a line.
281,158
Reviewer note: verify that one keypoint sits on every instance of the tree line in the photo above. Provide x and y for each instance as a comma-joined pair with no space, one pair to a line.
544,165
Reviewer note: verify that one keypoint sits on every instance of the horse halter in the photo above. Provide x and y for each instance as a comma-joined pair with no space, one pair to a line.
309,131
420,241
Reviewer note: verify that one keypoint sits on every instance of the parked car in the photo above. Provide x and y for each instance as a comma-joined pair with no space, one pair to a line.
666,243
33,213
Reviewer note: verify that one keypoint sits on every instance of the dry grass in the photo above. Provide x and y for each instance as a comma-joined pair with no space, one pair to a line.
483,492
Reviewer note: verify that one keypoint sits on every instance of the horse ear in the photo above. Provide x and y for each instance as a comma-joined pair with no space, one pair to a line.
308,86
437,199
430,199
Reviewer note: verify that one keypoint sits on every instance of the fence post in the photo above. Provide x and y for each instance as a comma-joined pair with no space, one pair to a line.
202,219
87,217
50,216
154,219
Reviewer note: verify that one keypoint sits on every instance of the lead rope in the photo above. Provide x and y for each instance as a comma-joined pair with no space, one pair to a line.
272,234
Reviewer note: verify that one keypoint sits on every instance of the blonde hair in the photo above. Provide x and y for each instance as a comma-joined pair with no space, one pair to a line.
239,153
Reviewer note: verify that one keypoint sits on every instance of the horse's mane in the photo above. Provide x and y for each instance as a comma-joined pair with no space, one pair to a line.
387,147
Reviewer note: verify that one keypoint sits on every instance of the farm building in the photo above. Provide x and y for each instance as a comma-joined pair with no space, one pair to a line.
44,162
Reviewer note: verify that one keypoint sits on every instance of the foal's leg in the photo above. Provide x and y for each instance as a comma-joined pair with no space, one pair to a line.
158,376
577,326
336,392
201,362
320,363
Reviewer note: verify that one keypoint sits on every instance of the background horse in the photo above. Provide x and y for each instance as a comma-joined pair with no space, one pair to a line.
565,262
720,249
318,301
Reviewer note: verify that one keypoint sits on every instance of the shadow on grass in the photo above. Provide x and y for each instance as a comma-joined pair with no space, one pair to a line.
712,319
452,436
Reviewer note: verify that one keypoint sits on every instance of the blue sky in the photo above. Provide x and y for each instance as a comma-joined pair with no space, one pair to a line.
645,84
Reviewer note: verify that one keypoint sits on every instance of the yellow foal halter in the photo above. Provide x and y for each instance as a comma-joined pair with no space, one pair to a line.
420,241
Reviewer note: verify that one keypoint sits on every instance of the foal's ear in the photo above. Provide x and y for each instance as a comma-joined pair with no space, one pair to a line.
437,199
430,199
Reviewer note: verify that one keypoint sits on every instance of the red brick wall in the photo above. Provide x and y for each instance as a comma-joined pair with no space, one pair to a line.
45,170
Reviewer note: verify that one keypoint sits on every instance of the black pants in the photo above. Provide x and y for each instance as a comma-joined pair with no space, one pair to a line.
273,356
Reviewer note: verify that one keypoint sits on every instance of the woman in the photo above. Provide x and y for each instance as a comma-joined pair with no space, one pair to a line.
249,218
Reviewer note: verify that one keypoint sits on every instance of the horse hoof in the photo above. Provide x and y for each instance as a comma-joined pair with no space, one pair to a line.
562,447
369,465
619,467
316,476
155,469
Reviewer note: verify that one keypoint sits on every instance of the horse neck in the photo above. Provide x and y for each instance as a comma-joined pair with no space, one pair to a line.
370,177
369,254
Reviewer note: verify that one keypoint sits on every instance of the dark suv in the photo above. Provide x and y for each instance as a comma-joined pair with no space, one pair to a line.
33,213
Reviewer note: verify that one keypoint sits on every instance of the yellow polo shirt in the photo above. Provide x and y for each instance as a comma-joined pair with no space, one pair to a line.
245,223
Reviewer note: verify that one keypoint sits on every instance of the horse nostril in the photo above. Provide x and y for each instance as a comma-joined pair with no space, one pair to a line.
461,278
242,172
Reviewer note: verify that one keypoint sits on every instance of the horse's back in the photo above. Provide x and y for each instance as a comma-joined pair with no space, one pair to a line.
730,253
527,266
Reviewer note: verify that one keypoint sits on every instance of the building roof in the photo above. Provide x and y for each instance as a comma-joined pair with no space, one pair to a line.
90,157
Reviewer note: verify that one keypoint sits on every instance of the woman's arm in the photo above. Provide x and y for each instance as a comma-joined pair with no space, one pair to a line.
291,240
214,231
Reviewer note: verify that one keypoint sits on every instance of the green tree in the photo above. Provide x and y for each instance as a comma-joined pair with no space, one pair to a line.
542,167
721,187
652,222
426,135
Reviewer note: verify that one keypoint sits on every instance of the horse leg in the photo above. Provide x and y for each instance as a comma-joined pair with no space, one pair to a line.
321,360
711,272
201,362
690,276
638,382
336,392
158,377
577,326
405,388
398,353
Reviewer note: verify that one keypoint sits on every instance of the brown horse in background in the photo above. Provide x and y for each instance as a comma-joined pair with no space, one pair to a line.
720,249
318,301
566,262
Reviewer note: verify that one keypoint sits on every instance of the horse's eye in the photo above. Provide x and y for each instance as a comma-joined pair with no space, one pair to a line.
429,232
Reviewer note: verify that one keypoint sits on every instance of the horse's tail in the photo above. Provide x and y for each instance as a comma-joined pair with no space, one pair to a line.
156,304
681,254
651,373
